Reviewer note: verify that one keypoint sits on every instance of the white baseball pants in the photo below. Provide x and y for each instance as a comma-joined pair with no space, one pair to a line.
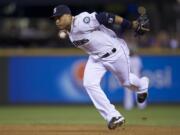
118,64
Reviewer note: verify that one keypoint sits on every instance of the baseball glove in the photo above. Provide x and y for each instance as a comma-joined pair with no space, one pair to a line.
142,25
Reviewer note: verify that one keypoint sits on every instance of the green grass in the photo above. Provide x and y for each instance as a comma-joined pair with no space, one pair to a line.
153,115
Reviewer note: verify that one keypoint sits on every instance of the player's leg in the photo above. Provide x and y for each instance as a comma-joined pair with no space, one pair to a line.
93,74
121,68
138,84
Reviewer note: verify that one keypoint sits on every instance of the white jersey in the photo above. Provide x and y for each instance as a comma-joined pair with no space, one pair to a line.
95,39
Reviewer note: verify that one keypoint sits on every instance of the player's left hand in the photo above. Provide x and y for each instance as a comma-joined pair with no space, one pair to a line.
141,25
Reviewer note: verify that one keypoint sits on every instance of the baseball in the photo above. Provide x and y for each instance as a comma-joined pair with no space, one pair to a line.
62,34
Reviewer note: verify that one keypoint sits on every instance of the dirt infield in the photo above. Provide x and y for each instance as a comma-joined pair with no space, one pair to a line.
85,130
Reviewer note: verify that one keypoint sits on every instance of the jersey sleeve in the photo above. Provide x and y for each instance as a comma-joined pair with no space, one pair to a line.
87,22
105,18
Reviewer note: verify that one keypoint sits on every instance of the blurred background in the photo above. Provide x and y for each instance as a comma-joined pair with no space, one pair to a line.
25,23
41,74
37,67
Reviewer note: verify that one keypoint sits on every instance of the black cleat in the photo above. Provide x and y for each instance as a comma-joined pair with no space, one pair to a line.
141,97
116,122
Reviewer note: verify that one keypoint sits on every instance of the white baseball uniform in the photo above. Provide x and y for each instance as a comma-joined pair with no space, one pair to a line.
106,52
135,67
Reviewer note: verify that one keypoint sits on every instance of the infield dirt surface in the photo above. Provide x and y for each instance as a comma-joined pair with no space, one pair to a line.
86,130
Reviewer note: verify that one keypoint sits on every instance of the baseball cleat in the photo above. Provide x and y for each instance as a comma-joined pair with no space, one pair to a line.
141,97
116,122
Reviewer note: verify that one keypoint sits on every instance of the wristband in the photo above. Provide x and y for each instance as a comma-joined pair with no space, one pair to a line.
126,24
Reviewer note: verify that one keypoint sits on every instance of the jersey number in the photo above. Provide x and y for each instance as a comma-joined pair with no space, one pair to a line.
80,42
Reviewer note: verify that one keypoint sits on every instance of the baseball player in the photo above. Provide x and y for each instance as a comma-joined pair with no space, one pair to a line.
91,32
135,67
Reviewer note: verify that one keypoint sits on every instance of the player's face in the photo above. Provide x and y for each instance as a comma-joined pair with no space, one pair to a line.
64,22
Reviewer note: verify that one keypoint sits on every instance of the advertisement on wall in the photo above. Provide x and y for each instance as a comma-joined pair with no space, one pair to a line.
60,80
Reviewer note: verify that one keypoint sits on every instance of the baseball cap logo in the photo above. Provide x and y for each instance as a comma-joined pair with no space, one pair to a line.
54,10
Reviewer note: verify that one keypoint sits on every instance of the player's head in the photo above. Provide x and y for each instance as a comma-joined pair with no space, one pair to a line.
63,17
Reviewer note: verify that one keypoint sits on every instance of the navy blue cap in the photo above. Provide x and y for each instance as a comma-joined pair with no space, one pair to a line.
60,10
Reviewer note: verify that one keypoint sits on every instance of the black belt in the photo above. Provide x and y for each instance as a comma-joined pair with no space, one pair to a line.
108,54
